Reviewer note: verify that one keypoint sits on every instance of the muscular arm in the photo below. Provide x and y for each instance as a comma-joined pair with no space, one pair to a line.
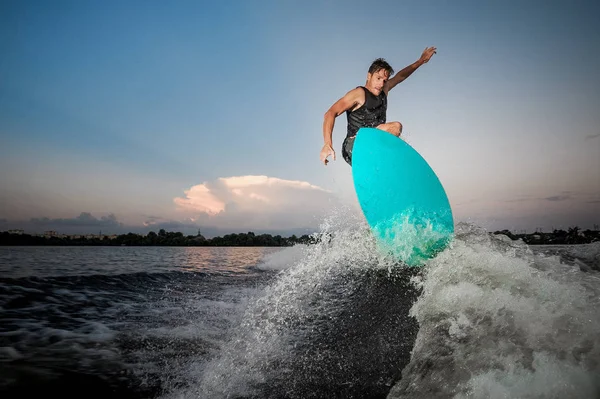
354,98
407,71
401,75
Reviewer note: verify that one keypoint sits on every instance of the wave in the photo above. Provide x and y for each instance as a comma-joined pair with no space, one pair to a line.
487,317
334,322
497,320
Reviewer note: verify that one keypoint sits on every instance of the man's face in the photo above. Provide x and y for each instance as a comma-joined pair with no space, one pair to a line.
375,81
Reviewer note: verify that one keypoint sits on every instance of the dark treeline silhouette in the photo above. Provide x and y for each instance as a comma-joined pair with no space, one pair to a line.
162,238
574,235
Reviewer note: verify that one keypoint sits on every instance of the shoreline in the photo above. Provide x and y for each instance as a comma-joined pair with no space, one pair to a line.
573,236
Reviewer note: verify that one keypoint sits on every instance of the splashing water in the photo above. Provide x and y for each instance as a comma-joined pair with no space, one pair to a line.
414,236
487,318
333,323
496,321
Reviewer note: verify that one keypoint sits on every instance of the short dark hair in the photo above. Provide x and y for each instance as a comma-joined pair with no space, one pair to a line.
380,64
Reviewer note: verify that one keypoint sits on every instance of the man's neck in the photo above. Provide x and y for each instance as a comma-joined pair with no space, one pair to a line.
369,90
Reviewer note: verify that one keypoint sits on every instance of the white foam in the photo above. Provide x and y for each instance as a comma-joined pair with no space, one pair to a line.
284,258
267,328
498,321
586,256
548,377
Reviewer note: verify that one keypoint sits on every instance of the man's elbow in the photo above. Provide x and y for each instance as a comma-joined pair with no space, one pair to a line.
330,114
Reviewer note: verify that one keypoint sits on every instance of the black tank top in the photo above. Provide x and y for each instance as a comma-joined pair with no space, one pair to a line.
371,114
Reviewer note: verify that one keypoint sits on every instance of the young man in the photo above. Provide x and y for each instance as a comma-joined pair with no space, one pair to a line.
366,106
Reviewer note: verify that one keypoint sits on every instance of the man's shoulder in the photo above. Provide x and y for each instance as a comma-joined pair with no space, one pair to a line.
357,93
356,97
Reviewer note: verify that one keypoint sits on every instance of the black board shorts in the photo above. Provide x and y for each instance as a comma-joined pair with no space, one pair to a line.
347,149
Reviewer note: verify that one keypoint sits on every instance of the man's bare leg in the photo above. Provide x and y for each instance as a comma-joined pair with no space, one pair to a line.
394,128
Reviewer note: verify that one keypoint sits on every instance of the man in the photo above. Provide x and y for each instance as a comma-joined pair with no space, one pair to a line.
366,106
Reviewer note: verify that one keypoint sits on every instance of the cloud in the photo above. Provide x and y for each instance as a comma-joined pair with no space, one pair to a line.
86,223
226,205
85,219
152,220
522,199
562,196
558,198
82,224
592,136
155,223
256,202
199,198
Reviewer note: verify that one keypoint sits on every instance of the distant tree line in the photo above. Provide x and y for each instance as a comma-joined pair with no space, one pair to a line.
162,238
573,235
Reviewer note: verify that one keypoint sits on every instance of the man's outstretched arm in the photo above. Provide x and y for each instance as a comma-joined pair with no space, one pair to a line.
407,71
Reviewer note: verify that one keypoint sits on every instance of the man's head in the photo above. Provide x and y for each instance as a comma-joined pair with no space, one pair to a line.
379,73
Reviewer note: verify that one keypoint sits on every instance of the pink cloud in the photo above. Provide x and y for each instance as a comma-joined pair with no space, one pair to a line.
199,198
259,201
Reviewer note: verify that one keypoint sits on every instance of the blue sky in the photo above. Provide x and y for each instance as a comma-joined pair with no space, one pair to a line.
142,113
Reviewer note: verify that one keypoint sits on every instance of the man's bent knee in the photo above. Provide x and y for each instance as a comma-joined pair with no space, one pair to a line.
394,128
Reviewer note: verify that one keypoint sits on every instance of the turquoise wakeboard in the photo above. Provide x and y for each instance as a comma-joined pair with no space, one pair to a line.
401,197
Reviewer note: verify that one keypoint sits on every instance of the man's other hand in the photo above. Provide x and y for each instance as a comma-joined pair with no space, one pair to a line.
326,152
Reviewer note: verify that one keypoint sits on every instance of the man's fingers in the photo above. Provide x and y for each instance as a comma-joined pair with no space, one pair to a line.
324,156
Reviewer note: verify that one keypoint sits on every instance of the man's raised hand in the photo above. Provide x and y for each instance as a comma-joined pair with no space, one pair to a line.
427,54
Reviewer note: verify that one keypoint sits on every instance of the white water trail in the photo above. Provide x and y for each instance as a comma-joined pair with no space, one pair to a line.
308,295
499,321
